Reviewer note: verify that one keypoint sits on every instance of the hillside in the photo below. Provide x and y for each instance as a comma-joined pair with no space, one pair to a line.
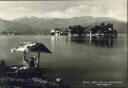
44,26
9,26
35,25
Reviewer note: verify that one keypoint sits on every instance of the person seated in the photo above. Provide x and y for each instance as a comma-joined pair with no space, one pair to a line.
28,63
25,63
32,62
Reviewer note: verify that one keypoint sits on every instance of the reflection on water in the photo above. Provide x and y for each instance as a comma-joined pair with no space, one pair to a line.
98,41
103,41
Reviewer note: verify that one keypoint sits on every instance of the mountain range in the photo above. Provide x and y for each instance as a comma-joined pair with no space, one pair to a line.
35,25
10,26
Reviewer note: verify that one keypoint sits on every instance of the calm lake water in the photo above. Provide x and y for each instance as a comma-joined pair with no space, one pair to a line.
76,61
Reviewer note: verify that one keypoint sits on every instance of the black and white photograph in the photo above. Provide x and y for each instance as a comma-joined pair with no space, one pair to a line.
63,44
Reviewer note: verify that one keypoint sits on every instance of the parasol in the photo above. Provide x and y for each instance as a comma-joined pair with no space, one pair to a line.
32,47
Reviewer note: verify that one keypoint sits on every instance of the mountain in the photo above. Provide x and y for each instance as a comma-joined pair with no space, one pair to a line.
35,25
43,26
10,26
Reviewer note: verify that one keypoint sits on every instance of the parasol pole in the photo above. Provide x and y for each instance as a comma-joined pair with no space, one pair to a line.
24,58
24,54
38,58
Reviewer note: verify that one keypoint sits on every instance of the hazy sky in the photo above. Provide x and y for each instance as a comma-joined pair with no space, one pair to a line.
64,9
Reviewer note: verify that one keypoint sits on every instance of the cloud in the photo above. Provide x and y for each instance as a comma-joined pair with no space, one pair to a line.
65,9
12,13
95,11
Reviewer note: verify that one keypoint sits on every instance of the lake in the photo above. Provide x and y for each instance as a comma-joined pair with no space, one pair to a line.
91,59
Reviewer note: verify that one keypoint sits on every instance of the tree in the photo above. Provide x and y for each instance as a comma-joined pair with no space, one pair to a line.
95,29
104,29
77,29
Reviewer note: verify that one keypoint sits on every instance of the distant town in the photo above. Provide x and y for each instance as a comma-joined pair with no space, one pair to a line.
10,33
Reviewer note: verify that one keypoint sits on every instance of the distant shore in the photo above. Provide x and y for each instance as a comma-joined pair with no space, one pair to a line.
49,35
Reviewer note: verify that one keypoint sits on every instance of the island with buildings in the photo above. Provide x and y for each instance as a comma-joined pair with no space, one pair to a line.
79,30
